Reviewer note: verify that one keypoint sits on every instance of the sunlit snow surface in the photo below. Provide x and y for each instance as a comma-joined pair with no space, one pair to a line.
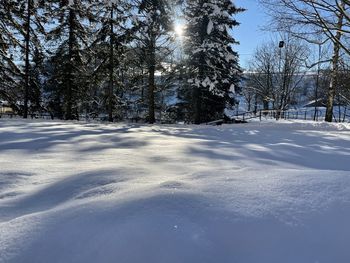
260,192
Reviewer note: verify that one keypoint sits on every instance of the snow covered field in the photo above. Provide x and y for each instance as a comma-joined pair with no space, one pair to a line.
259,192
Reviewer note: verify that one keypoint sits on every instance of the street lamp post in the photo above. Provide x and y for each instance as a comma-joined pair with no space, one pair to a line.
281,45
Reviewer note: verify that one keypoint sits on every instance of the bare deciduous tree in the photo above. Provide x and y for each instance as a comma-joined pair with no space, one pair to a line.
276,72
309,18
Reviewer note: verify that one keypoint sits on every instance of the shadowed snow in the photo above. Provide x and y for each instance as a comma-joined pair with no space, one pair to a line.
261,192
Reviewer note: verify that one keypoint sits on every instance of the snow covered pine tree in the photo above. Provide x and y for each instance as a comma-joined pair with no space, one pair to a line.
212,67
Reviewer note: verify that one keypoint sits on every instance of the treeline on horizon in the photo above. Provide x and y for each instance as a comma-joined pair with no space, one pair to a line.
151,60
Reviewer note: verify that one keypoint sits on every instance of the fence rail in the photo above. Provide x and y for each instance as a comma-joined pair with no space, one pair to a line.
30,116
289,115
240,116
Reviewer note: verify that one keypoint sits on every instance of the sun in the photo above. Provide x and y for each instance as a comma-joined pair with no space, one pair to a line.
179,30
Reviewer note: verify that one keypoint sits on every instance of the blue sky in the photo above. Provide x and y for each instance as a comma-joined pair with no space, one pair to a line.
248,33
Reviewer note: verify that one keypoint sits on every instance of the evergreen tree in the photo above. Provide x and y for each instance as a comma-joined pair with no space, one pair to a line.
154,23
70,36
113,31
8,70
212,67
21,27
36,88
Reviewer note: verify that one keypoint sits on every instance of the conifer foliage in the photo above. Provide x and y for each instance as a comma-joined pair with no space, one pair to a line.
70,37
154,23
113,32
118,59
212,64
8,70
21,27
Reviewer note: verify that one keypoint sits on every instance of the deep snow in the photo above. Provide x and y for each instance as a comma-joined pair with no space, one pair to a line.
259,192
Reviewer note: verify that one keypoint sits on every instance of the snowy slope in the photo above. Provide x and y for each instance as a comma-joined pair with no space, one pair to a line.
259,192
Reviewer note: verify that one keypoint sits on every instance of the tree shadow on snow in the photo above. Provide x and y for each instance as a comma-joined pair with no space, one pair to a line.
284,145
37,137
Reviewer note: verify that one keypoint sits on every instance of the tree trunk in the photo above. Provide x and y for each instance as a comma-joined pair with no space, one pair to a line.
27,65
69,80
266,104
197,105
197,92
284,87
317,83
334,73
142,86
197,95
151,81
111,65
